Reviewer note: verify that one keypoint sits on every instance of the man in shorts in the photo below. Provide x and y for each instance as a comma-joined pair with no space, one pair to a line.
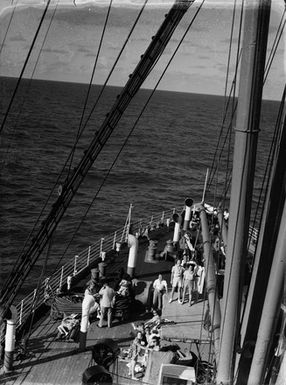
177,280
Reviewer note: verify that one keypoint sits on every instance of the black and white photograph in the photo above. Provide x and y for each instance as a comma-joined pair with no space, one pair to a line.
142,192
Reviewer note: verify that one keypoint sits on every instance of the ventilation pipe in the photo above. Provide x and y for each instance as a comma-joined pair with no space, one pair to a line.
188,212
178,221
10,340
133,251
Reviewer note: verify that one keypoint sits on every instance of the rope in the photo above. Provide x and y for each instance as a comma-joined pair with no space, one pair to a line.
231,98
132,129
266,171
277,132
102,89
8,27
234,107
29,84
44,40
275,45
40,282
267,177
229,49
24,66
116,61
89,87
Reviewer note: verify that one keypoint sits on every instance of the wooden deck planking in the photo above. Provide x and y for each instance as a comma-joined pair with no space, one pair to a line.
188,321
62,363
188,331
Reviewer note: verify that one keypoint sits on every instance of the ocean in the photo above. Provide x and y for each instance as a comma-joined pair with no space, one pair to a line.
164,161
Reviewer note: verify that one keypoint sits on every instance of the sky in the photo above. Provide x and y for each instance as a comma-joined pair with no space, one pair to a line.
69,39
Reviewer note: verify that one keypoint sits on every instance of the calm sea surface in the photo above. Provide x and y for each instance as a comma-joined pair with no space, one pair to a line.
163,162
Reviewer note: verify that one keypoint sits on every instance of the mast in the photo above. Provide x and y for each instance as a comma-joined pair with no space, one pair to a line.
271,308
246,134
211,281
265,250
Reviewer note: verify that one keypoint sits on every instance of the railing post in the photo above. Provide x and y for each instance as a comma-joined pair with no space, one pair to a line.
61,277
163,217
75,263
168,220
114,240
103,255
21,312
88,255
101,246
118,246
127,225
69,282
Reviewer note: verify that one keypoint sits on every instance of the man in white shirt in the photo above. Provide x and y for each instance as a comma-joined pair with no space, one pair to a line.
106,302
160,287
177,280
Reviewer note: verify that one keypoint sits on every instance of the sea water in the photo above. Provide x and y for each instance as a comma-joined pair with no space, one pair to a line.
163,162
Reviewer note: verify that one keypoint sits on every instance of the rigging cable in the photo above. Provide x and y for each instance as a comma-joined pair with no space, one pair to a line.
255,119
230,99
37,292
132,130
229,51
30,81
89,86
276,130
275,45
24,66
272,144
68,158
267,174
8,27
49,225
115,63
234,107
273,51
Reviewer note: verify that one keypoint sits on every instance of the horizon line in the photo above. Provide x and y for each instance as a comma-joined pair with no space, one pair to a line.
121,87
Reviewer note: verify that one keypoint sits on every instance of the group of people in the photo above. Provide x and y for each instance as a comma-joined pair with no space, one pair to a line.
99,302
147,339
185,279
187,273
103,301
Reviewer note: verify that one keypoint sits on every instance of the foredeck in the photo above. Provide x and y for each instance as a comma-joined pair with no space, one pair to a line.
60,363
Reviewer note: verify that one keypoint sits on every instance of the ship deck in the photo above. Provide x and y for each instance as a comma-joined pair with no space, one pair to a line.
62,362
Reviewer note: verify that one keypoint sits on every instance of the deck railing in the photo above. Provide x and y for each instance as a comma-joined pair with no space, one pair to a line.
90,255
84,259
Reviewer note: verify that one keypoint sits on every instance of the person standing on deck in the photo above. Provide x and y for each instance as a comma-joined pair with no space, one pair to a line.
160,287
89,304
177,279
188,283
106,303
